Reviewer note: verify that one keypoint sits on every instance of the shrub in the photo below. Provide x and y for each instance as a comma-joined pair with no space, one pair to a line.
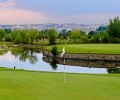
54,51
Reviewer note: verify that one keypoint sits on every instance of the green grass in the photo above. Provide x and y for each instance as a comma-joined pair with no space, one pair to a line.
89,48
27,85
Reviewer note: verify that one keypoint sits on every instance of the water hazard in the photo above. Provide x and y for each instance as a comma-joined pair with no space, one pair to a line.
32,59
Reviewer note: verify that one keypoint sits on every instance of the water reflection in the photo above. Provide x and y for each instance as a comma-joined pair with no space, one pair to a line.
113,70
3,51
84,63
7,57
112,67
53,64
52,61
32,59
26,54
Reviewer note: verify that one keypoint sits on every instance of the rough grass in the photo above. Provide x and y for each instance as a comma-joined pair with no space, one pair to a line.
26,85
89,48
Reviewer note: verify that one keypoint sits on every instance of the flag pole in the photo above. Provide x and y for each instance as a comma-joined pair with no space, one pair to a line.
63,56
64,71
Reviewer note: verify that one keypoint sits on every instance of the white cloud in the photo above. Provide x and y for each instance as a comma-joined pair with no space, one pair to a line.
9,14
8,4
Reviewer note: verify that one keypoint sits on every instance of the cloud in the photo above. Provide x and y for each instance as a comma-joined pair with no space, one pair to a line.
57,11
8,4
21,16
14,15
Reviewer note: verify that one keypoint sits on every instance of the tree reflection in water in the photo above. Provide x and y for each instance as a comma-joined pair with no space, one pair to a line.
53,63
26,54
3,49
33,57
112,67
2,52
113,70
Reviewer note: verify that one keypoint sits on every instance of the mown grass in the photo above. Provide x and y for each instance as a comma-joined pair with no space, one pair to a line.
27,85
89,48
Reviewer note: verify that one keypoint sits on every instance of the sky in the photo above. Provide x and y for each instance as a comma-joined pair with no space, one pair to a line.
58,11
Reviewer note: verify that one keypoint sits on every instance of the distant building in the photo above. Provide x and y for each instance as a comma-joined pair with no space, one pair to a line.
68,26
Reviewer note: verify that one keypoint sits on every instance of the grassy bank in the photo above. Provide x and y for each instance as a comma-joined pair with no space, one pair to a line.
89,48
26,85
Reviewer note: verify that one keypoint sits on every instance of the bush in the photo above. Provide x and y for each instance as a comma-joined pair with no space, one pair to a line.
8,38
54,51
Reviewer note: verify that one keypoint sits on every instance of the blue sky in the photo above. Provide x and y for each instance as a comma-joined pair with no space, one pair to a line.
58,11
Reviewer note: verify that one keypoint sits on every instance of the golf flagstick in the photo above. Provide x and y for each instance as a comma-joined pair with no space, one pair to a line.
64,71
64,62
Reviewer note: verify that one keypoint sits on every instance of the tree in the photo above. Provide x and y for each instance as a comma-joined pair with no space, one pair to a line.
91,33
24,35
18,36
54,51
101,28
114,30
63,34
52,36
14,34
96,38
42,34
2,34
84,38
7,31
75,34
18,39
8,37
33,35
105,37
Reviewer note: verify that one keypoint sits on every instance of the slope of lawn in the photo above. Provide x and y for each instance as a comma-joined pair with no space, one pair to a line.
27,85
89,48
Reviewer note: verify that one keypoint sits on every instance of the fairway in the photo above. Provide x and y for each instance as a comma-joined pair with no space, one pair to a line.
27,85
89,48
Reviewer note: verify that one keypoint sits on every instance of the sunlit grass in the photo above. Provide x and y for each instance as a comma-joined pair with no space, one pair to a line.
89,48
26,85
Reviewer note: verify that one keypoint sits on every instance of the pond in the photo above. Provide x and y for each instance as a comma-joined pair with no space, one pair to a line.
32,59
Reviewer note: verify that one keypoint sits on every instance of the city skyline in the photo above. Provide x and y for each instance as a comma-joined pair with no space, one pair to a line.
58,11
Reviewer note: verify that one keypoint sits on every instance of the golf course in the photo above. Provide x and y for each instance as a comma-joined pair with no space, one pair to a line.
37,85
59,49
30,85
89,48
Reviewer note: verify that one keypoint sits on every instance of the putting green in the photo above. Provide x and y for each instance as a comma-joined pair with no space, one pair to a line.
27,85
89,48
